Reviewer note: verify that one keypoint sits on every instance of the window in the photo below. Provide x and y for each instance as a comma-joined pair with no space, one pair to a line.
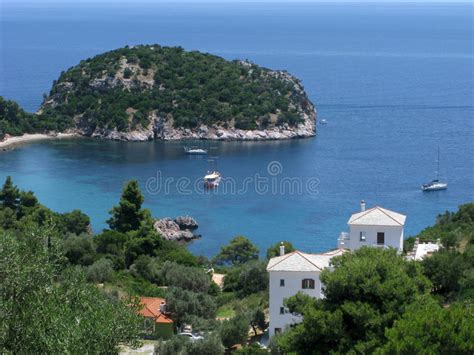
282,282
362,236
282,310
380,238
277,330
308,284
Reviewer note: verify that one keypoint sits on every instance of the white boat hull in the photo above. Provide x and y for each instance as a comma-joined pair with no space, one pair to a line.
212,180
195,151
435,187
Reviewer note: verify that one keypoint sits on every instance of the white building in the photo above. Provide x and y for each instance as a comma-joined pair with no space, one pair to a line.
290,273
423,250
297,271
376,227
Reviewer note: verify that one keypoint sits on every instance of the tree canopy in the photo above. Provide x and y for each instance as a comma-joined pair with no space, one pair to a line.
14,121
123,88
128,215
451,272
239,251
9,195
274,250
47,308
452,228
180,345
19,209
364,294
427,327
248,278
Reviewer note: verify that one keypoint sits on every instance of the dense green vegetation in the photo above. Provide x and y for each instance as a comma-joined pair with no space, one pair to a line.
67,290
191,88
454,229
125,87
427,327
378,302
129,258
451,270
47,307
14,121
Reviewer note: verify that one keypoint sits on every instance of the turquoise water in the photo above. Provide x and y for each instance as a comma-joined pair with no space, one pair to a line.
395,82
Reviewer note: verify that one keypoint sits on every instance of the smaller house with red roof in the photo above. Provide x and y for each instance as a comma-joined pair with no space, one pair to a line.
156,323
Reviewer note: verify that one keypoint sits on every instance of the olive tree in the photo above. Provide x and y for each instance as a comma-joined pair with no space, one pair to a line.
47,308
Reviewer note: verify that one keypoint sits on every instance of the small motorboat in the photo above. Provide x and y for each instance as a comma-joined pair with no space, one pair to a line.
195,151
323,121
212,179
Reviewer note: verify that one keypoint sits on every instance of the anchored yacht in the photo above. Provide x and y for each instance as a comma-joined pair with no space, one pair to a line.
436,184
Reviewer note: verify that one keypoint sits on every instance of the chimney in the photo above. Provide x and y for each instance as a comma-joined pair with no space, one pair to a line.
362,206
163,307
282,249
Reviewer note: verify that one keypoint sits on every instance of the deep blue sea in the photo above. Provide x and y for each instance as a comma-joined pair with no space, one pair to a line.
394,82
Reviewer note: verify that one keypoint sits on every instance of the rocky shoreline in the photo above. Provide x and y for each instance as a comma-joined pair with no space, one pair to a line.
217,133
163,130
179,229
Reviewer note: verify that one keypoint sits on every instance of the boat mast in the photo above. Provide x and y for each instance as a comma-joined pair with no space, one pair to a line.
437,168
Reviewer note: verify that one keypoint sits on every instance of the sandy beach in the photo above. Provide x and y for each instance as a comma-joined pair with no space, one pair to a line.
17,140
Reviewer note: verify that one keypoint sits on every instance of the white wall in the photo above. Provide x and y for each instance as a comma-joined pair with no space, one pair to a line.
393,236
293,282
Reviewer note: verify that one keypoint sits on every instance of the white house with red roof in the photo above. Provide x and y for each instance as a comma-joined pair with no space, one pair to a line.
299,272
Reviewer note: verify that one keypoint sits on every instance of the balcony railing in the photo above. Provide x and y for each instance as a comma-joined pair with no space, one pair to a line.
344,240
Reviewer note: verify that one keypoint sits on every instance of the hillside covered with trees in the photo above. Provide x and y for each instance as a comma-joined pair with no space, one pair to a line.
151,87
149,91
14,121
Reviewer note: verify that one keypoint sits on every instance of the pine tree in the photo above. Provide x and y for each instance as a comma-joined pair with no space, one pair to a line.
9,195
128,215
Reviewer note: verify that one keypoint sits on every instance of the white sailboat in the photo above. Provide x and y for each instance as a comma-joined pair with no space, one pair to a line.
436,184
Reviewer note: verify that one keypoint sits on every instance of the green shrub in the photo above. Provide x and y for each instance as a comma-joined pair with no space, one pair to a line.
127,73
101,271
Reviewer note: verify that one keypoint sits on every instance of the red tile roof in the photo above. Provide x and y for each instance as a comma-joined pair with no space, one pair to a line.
151,309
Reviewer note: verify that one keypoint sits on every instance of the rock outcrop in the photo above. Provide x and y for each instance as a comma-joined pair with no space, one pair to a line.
166,131
186,222
171,230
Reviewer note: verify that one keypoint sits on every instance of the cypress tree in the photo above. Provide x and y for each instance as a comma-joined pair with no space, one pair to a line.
9,195
128,215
